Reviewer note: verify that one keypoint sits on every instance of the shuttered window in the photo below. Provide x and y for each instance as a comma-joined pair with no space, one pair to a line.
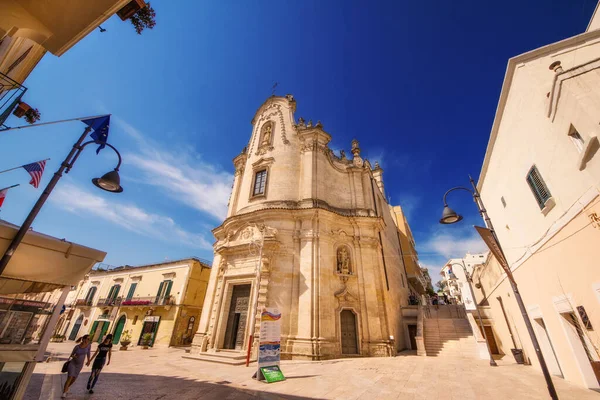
131,290
538,187
260,182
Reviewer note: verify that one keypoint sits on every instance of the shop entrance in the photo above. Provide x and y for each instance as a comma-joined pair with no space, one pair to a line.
150,326
237,317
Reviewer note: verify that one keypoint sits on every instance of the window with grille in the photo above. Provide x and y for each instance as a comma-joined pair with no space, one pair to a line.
538,187
260,182
584,318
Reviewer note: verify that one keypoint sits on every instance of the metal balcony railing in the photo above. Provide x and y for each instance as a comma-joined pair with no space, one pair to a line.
83,303
109,302
11,92
148,301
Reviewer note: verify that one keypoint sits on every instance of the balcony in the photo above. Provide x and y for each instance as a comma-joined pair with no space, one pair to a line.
418,282
109,302
83,303
148,301
10,94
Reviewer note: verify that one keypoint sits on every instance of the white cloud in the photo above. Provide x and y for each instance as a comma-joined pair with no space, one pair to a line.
77,200
181,174
455,246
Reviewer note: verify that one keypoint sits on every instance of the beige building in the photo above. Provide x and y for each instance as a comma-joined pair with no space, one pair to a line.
318,228
162,299
418,280
30,28
540,182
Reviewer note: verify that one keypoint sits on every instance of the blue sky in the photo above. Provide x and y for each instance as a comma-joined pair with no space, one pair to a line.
416,83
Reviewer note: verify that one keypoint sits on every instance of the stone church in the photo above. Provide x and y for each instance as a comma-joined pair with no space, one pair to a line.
308,232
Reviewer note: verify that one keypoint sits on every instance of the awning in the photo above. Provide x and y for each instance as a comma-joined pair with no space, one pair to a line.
43,263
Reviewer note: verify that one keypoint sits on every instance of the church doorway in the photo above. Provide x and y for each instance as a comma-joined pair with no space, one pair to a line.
349,334
237,317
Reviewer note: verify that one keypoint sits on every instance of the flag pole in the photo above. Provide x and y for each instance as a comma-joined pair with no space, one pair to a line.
21,166
50,123
67,163
10,187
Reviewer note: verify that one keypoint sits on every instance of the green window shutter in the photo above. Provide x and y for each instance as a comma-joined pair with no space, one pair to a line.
160,288
131,291
93,330
538,186
168,291
117,290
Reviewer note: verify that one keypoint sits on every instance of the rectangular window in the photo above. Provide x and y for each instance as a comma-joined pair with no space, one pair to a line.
260,182
576,139
503,201
131,290
164,292
584,318
538,187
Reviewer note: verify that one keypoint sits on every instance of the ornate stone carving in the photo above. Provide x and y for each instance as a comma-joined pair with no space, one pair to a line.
343,261
342,154
358,162
266,115
266,139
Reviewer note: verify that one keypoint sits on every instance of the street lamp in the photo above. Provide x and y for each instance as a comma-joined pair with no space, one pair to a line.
449,216
470,281
110,182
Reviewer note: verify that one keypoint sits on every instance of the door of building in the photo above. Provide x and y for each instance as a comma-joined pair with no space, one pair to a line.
588,349
119,329
349,336
150,326
236,319
76,327
412,334
98,331
489,333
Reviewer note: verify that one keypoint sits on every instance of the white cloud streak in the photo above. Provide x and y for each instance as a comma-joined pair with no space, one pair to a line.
79,201
455,246
181,175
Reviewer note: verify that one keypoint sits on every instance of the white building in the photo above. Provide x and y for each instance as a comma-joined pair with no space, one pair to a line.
540,183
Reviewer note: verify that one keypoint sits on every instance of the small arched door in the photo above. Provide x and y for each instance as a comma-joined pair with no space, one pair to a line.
119,329
76,328
349,334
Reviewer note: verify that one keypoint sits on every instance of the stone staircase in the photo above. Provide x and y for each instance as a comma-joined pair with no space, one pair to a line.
447,333
228,357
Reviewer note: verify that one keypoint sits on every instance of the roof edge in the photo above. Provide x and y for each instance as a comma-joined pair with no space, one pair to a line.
507,83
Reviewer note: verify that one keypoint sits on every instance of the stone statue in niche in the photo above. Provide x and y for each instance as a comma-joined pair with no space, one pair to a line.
267,134
343,261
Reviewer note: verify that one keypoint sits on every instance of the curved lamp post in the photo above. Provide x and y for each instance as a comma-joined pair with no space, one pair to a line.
449,216
470,282
110,182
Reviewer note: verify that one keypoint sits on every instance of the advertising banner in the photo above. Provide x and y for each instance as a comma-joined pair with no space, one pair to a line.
269,345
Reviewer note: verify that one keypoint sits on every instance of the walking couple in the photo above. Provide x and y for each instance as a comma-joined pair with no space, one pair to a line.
78,355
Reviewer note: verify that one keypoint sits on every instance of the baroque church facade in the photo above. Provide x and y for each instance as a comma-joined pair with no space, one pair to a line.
310,233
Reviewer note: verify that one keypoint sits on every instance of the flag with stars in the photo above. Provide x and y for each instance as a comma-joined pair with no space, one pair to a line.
100,127
36,170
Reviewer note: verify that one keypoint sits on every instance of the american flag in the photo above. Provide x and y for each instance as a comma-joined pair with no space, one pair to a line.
36,170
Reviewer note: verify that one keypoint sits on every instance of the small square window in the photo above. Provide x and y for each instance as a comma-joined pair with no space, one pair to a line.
576,139
260,183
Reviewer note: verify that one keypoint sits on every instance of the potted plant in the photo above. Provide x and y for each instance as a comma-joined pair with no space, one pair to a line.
143,18
21,109
32,115
146,340
125,340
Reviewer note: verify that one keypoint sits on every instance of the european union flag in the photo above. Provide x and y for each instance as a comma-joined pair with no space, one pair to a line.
99,126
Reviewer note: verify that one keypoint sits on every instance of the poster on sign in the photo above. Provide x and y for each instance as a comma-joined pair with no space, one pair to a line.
269,344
